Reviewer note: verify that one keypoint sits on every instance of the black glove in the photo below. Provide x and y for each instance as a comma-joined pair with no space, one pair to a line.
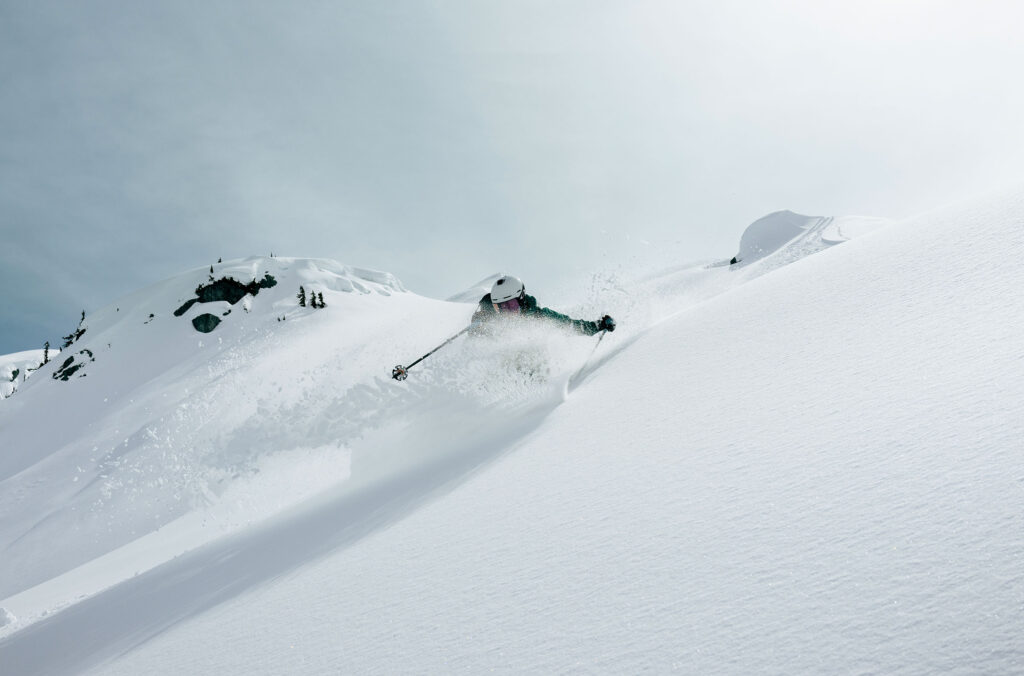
606,323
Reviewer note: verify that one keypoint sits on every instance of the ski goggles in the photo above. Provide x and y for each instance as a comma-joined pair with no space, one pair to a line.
508,306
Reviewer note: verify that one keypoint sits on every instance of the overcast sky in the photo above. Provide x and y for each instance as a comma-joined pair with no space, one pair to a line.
445,141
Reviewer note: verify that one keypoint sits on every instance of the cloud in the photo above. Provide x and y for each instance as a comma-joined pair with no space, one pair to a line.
446,141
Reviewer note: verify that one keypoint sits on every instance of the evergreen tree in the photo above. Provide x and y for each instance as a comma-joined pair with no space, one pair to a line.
72,337
321,298
46,352
312,299
302,296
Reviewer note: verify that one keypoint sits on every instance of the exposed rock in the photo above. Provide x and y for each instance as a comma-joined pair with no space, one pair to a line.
205,323
184,308
227,289
69,367
232,290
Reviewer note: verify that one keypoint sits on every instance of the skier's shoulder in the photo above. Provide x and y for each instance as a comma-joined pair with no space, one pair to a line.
482,316
532,307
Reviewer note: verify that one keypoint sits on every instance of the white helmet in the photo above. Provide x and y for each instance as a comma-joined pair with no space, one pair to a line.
507,288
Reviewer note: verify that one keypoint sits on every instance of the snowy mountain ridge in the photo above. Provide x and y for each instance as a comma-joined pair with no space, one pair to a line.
743,477
16,368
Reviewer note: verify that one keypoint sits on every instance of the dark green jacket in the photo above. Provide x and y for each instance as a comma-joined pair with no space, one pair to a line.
485,313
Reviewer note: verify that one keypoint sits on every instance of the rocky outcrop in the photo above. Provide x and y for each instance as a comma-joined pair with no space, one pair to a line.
73,365
224,289
205,323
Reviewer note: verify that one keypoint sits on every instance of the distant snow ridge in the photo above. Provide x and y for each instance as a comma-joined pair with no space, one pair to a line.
474,293
16,368
791,236
228,283
333,276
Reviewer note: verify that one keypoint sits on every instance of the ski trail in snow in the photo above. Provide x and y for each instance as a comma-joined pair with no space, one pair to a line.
367,432
601,356
395,469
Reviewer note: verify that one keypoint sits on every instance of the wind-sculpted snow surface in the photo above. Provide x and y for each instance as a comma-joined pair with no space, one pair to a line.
784,236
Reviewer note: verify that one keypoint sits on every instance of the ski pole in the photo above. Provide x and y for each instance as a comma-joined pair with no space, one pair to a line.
576,375
402,372
596,345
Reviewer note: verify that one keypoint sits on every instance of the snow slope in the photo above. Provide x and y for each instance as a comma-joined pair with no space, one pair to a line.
816,469
162,420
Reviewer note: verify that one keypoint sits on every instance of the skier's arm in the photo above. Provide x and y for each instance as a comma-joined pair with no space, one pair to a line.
579,325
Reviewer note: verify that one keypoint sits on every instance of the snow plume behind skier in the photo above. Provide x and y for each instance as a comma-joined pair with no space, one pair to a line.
516,345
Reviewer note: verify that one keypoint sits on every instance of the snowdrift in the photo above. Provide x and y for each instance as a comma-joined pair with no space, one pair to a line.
790,236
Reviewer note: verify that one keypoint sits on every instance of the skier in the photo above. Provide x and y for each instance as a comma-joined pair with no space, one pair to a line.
508,298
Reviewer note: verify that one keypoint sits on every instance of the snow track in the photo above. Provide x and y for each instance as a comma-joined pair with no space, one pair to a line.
395,470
